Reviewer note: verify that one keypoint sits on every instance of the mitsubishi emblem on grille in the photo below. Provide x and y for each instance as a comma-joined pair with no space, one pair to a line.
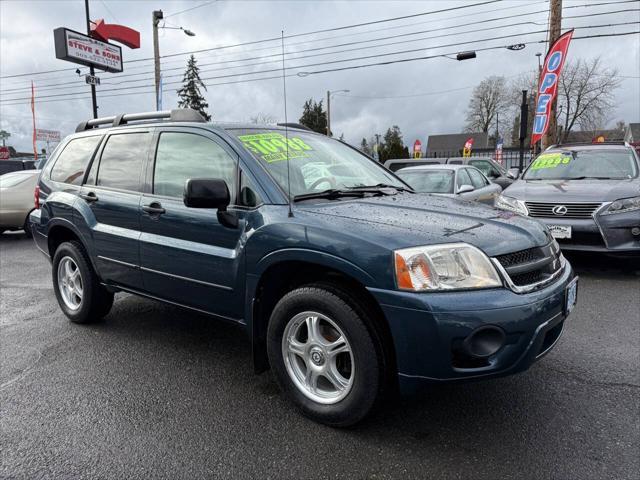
559,210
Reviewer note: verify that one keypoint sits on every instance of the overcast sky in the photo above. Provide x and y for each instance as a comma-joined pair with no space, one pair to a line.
422,97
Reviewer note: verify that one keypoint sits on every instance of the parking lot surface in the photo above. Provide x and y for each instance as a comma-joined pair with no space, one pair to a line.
155,391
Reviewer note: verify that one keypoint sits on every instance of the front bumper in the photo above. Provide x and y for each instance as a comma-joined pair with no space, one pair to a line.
428,328
601,233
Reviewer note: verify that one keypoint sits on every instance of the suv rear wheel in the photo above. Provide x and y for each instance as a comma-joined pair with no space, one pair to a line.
77,288
324,356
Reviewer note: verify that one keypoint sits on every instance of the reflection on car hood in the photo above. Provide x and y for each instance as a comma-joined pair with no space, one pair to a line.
406,219
587,190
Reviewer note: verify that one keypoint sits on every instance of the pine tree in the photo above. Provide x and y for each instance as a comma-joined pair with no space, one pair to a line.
365,148
314,117
190,96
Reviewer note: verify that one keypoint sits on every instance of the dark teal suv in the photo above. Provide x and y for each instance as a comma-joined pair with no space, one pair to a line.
349,284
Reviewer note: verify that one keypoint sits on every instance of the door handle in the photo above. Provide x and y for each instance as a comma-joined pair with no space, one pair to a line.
89,197
154,208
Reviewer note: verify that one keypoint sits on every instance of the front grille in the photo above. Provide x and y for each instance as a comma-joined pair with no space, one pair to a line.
531,267
523,256
573,210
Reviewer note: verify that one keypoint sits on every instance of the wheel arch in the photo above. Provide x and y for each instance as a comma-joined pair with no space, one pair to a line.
288,272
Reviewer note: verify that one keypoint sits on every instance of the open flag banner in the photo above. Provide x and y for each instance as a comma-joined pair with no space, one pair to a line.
548,85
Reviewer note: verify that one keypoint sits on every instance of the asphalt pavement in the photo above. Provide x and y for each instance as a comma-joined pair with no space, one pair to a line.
155,391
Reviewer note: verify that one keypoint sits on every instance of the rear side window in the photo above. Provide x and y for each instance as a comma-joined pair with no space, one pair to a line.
73,160
477,180
181,156
121,161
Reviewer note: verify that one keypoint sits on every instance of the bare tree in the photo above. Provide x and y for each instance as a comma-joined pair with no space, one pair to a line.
262,118
586,96
489,98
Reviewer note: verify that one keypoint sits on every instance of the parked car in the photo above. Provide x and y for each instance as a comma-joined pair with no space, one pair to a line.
346,293
587,194
16,164
459,181
16,199
489,167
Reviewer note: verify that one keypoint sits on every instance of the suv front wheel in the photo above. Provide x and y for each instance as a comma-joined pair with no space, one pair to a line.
77,287
324,356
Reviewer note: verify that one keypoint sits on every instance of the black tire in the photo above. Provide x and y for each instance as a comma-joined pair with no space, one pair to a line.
368,363
27,227
96,301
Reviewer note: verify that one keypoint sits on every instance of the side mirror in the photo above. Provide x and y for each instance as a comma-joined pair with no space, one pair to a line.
513,173
210,193
465,189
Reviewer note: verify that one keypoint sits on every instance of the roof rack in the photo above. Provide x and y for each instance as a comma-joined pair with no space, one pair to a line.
175,115
293,125
581,144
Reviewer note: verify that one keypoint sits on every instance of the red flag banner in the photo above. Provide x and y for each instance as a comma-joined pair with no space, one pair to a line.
548,85
33,114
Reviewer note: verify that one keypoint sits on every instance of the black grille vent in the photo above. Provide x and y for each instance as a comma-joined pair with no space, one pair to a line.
532,266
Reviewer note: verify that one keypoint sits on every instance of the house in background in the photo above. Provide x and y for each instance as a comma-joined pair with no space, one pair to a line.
451,144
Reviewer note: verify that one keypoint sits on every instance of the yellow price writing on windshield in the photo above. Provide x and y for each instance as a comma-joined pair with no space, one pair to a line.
272,147
550,160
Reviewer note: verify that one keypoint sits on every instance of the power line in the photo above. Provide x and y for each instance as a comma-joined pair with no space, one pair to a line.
352,67
332,70
189,9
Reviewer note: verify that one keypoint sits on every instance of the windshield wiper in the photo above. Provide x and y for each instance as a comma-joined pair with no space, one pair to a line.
379,187
583,177
331,194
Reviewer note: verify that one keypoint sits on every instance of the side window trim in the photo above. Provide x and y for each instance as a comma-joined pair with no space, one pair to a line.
51,164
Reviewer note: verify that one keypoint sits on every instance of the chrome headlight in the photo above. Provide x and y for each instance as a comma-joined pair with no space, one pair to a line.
623,205
448,266
513,204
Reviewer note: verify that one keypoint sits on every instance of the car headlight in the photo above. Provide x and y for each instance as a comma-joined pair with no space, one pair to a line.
513,204
623,205
448,266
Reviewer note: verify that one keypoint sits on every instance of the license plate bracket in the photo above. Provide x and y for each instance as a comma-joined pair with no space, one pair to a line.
570,296
560,231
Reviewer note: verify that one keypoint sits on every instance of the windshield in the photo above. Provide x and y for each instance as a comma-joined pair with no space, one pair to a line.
429,181
583,164
316,163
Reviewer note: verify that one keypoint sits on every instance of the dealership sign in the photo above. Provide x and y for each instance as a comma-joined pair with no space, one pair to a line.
78,48
47,135
548,85
5,153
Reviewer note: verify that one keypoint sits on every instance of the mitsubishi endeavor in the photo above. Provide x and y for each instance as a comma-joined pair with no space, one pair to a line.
349,286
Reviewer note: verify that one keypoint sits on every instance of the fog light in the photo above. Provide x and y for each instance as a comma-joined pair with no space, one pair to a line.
484,341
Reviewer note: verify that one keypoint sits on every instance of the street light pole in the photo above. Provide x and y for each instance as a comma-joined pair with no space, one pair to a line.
329,93
156,17
94,100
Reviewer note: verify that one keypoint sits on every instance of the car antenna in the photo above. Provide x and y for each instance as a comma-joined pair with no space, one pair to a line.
286,128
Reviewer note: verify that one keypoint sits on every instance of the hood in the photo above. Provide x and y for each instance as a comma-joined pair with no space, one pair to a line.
408,220
588,190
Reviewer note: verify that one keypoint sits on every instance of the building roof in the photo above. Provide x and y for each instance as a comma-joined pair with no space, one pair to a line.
453,142
589,135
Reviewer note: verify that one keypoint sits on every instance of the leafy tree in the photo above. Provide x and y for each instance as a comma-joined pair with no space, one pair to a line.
263,118
488,99
314,117
190,95
3,136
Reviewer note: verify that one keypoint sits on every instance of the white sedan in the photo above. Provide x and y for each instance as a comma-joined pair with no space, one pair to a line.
17,199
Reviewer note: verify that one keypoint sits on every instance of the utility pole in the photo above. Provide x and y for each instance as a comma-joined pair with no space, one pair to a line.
328,113
94,100
524,117
555,26
377,155
156,17
497,128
